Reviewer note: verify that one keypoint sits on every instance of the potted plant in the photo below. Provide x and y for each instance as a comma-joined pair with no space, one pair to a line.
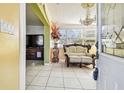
55,36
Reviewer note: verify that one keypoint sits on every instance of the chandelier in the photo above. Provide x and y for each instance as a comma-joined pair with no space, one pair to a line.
88,20
87,5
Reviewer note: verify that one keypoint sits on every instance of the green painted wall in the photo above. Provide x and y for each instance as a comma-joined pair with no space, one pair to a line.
47,44
39,10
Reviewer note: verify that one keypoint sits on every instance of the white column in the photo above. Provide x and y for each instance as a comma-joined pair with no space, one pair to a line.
99,32
22,43
99,26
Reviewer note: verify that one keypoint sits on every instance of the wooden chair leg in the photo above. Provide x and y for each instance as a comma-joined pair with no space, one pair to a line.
80,65
68,61
67,64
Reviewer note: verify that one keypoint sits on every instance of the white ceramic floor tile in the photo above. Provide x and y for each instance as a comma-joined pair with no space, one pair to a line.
56,69
55,82
87,83
54,88
47,68
80,70
73,89
56,74
72,83
69,75
35,88
28,68
34,63
75,78
32,72
40,81
44,73
37,68
29,79
83,75
67,70
56,64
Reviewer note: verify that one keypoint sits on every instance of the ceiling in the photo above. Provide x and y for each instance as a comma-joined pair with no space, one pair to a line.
67,13
31,18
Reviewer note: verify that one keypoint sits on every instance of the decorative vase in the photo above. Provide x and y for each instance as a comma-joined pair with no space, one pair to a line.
55,52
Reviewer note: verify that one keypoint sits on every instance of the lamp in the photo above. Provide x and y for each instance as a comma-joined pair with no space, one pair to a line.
87,21
87,5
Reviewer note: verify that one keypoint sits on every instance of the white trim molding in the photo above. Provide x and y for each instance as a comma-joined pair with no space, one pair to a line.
22,43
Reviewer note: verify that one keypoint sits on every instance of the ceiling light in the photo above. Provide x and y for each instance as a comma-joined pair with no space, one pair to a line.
88,20
87,5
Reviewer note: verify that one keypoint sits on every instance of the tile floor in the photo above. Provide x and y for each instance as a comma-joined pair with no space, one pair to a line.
57,76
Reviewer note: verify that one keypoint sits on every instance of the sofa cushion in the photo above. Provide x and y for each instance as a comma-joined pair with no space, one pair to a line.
86,59
80,49
74,59
72,49
67,49
76,54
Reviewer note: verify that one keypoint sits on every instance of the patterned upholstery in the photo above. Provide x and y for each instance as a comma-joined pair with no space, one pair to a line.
80,49
78,54
72,49
75,59
77,51
86,59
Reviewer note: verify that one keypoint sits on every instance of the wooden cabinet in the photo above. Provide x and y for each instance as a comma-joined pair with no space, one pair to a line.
35,53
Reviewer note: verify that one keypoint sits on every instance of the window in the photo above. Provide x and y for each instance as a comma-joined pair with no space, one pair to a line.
78,36
74,36
113,30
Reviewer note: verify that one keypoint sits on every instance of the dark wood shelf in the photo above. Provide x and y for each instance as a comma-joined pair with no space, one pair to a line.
35,53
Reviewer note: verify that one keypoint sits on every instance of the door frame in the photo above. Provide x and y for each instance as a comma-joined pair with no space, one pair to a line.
22,46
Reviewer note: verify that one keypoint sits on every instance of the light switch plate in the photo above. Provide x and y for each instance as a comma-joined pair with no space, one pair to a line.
6,27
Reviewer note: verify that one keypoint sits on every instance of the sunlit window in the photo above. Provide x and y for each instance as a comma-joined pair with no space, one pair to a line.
77,36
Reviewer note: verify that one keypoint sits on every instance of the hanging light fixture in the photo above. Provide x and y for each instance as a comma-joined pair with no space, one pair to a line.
88,20
87,5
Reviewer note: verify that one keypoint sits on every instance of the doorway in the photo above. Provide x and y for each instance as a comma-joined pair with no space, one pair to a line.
34,45
51,73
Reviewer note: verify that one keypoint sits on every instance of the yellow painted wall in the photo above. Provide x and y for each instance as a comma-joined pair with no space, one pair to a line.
9,48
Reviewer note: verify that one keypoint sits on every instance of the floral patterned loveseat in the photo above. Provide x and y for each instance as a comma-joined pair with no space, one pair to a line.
78,54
